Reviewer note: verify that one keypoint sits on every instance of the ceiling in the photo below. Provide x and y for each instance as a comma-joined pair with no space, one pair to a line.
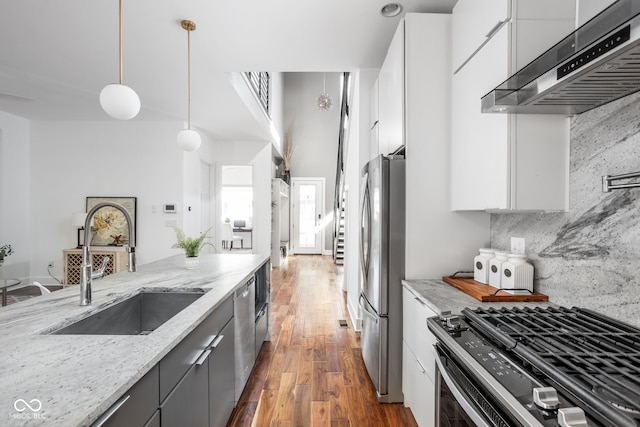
56,55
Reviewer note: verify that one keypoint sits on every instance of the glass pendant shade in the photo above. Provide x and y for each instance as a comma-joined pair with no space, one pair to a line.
120,101
324,102
189,140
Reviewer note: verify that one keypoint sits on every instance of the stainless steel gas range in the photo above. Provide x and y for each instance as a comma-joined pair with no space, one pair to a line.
551,366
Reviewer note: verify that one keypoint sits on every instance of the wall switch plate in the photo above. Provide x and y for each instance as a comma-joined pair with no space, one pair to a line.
517,245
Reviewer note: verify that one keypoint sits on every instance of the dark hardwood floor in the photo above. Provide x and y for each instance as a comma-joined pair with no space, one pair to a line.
311,373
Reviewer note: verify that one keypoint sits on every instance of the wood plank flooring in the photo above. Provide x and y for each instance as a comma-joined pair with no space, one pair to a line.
311,373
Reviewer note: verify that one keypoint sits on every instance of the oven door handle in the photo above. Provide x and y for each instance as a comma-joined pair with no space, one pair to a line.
464,402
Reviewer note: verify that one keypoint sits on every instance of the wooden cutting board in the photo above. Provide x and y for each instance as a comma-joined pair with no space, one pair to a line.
487,293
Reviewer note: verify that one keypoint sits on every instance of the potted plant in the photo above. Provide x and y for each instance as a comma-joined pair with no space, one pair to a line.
5,251
191,246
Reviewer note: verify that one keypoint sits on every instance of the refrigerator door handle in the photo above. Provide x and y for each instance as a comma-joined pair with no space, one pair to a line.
365,223
366,308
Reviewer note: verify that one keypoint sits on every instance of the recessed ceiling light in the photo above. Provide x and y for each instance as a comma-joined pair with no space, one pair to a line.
390,10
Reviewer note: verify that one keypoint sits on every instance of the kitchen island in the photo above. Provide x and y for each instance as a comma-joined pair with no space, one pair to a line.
71,380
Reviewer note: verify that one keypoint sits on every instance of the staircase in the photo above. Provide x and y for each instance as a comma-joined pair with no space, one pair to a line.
339,194
339,255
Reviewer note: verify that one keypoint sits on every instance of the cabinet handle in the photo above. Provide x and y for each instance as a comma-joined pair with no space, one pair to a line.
216,341
419,300
104,418
421,367
203,356
495,29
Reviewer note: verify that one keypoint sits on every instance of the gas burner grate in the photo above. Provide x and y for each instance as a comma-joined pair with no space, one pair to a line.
592,357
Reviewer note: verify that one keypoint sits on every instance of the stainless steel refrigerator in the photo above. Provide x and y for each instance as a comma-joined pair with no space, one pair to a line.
382,231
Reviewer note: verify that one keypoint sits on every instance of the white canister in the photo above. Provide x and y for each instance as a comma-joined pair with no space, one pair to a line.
481,265
517,275
495,268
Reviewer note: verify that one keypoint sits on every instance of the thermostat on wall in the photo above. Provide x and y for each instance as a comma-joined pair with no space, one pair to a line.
170,208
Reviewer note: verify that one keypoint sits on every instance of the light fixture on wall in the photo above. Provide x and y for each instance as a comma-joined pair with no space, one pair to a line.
188,139
324,102
117,100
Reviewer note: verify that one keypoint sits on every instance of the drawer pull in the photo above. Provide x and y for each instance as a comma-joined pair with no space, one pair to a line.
216,341
421,367
495,29
203,357
104,418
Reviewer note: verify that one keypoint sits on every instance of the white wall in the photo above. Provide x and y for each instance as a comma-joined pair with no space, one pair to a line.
15,203
314,133
73,160
276,109
262,171
438,242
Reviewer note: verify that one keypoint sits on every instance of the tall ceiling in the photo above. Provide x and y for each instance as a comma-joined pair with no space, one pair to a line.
56,55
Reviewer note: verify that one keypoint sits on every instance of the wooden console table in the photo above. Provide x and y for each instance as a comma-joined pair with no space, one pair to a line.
72,262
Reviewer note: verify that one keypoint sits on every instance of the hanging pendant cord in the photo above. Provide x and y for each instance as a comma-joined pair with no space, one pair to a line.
120,41
189,78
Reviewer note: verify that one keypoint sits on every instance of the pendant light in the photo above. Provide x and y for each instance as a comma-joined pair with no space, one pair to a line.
117,100
188,139
324,102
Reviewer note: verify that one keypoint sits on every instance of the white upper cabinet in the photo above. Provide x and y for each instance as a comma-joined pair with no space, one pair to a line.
373,122
507,162
587,9
473,24
391,95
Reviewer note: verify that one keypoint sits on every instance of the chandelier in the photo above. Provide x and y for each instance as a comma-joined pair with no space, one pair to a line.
324,102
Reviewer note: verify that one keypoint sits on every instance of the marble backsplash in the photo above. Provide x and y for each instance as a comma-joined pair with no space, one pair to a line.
590,256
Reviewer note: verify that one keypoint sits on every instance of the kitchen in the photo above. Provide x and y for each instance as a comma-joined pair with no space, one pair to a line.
572,265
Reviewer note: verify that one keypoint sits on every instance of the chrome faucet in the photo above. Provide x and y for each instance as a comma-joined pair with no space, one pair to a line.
87,274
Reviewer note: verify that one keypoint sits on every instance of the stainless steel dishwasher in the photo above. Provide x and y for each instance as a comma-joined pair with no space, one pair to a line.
245,333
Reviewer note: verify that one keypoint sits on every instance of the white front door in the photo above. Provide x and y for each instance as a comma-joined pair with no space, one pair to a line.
307,208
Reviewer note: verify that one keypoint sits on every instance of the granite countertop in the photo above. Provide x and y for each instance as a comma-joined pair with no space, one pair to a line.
76,378
440,296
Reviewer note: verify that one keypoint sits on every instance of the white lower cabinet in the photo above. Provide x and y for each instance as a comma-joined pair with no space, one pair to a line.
418,388
418,360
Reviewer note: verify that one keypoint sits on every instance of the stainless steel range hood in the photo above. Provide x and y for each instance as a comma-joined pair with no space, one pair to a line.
596,64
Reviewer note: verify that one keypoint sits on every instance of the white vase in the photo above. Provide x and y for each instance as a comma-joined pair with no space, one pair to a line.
191,262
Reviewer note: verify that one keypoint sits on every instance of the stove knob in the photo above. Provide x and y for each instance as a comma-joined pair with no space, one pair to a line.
453,322
444,315
546,397
572,417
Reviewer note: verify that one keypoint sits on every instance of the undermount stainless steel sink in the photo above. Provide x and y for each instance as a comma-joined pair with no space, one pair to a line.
139,314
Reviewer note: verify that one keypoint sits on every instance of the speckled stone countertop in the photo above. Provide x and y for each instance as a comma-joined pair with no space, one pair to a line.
439,297
75,378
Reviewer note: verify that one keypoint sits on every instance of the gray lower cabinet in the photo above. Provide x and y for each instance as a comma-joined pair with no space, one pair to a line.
155,420
188,403
136,406
185,371
193,385
222,378
262,327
